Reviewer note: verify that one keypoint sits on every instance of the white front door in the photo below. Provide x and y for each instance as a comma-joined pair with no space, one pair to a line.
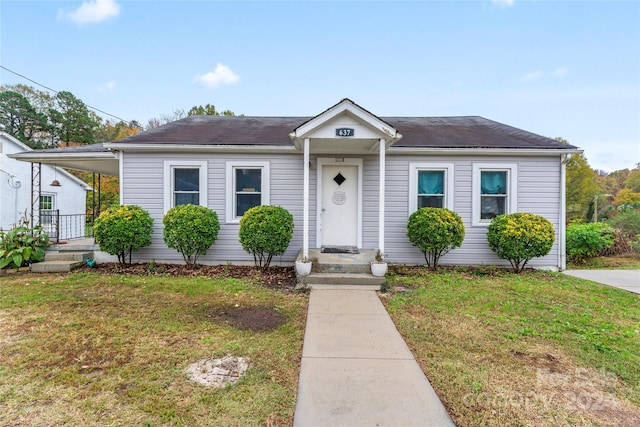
340,203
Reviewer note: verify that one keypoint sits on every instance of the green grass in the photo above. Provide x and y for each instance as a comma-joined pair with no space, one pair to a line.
609,262
532,349
86,349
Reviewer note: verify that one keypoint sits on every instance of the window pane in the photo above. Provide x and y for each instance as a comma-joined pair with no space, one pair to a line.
430,182
244,202
492,206
430,202
493,182
186,179
248,180
187,198
46,202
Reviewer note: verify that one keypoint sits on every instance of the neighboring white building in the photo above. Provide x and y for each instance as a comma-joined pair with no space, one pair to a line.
69,197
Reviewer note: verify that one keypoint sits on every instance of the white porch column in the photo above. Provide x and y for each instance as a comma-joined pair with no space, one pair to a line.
305,195
382,168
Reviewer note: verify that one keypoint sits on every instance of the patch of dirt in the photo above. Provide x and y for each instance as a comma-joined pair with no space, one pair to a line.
280,278
218,372
255,319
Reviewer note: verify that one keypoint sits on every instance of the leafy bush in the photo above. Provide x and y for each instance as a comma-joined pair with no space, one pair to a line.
122,230
266,231
588,240
191,230
435,231
627,220
22,245
519,237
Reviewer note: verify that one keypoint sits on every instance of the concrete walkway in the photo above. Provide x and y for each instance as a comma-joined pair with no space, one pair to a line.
624,279
357,369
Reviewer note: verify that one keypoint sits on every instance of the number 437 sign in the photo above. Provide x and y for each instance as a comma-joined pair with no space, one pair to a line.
342,132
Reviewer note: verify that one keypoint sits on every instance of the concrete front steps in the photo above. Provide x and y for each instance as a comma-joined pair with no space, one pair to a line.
341,271
64,258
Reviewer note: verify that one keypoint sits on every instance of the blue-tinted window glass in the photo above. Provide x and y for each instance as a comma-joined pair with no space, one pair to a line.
493,182
430,182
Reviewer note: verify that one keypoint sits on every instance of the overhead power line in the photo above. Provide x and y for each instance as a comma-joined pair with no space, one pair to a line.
55,91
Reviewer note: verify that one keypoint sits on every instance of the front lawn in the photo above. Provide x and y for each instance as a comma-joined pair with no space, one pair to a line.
92,349
522,350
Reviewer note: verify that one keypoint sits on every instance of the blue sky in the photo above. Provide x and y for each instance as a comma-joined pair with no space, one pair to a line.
569,69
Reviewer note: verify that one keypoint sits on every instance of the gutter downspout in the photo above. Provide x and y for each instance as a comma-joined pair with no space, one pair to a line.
562,223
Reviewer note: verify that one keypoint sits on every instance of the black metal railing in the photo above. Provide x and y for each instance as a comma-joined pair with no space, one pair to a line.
64,227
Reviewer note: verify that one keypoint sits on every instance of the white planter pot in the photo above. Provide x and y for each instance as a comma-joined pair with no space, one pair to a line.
303,268
378,269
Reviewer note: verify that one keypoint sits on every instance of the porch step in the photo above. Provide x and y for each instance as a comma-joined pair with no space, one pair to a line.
342,279
55,266
67,256
59,261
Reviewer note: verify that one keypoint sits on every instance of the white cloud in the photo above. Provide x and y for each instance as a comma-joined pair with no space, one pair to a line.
532,76
92,12
503,3
561,71
221,75
110,86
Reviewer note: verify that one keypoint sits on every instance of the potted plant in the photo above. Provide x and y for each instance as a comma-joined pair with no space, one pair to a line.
303,266
378,265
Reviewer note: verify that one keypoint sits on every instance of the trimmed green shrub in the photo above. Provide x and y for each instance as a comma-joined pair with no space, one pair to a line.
191,230
435,231
122,230
22,245
519,237
266,231
588,240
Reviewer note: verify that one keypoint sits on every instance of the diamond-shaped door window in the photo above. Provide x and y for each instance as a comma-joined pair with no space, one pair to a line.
339,179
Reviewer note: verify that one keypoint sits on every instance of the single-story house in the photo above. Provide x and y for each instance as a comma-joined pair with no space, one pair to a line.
61,195
348,177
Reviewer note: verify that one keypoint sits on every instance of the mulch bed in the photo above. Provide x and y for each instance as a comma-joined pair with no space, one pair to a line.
280,278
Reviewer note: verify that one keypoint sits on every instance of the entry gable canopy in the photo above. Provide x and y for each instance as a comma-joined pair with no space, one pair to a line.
345,121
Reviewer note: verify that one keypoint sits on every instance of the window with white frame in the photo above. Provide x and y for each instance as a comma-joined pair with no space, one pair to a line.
47,205
430,185
494,191
185,182
247,187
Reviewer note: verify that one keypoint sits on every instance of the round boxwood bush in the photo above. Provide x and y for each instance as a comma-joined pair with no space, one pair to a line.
122,230
191,230
588,240
266,231
519,237
435,231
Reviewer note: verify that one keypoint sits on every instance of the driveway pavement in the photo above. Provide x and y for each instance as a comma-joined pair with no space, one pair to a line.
624,279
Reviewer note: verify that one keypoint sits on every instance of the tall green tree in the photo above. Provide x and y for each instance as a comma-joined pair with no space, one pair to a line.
208,110
72,121
633,180
22,120
581,187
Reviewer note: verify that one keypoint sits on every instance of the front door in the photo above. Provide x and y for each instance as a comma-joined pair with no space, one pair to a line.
339,204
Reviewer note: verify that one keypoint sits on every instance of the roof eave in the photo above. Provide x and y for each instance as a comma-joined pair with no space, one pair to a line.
199,148
485,151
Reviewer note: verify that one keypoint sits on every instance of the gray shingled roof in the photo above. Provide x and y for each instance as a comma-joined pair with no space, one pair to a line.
417,132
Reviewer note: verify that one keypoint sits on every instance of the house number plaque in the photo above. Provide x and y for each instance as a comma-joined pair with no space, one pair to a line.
342,132
339,197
